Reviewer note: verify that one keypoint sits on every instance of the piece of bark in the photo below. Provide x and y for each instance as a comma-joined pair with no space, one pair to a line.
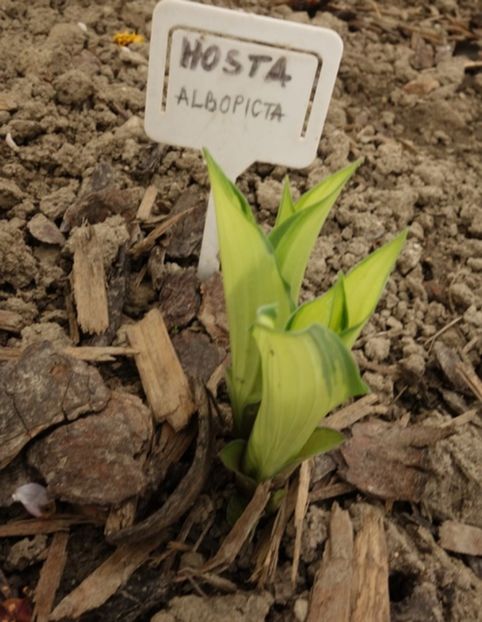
50,576
186,493
212,313
43,388
186,236
98,205
347,416
88,282
461,538
106,579
198,356
98,459
35,526
448,360
162,377
241,530
388,461
147,203
179,297
11,322
370,598
331,594
46,231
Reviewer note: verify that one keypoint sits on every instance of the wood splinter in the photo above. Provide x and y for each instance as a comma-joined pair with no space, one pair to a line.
163,379
88,282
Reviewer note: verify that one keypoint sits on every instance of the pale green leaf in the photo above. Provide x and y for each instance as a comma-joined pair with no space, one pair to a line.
294,236
326,187
286,206
305,375
363,287
251,279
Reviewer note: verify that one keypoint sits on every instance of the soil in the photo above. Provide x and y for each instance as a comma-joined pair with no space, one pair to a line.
408,101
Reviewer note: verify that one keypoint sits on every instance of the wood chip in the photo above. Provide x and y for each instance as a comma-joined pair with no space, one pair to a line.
88,282
97,354
370,597
46,231
162,376
268,553
120,517
106,579
35,526
461,538
147,203
239,534
50,577
300,512
10,321
388,461
347,416
330,596
324,492
145,245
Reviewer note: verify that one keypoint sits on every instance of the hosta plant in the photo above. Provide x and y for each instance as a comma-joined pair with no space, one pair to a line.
290,364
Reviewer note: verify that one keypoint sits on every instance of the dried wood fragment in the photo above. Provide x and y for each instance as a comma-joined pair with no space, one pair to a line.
389,461
97,354
461,538
145,245
88,282
120,517
370,598
330,597
300,512
468,375
239,534
50,577
106,579
323,492
35,526
10,321
147,203
267,557
163,379
347,416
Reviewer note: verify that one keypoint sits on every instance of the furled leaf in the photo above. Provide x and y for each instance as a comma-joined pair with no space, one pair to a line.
363,286
251,279
286,206
294,235
305,374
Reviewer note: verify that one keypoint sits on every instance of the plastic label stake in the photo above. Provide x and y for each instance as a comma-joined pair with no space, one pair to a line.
249,88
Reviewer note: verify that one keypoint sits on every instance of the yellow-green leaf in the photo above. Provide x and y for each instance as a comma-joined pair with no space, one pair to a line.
305,375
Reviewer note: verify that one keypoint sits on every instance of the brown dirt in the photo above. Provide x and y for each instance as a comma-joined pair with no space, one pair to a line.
409,101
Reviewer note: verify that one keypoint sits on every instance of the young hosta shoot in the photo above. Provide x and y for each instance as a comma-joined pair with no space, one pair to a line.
289,365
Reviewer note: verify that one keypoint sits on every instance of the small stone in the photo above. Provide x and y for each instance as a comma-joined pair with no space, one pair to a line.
462,294
268,193
10,194
377,348
414,364
410,257
73,87
300,609
44,230
26,552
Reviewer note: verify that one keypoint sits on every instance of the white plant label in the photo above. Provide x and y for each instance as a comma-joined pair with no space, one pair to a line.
249,88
